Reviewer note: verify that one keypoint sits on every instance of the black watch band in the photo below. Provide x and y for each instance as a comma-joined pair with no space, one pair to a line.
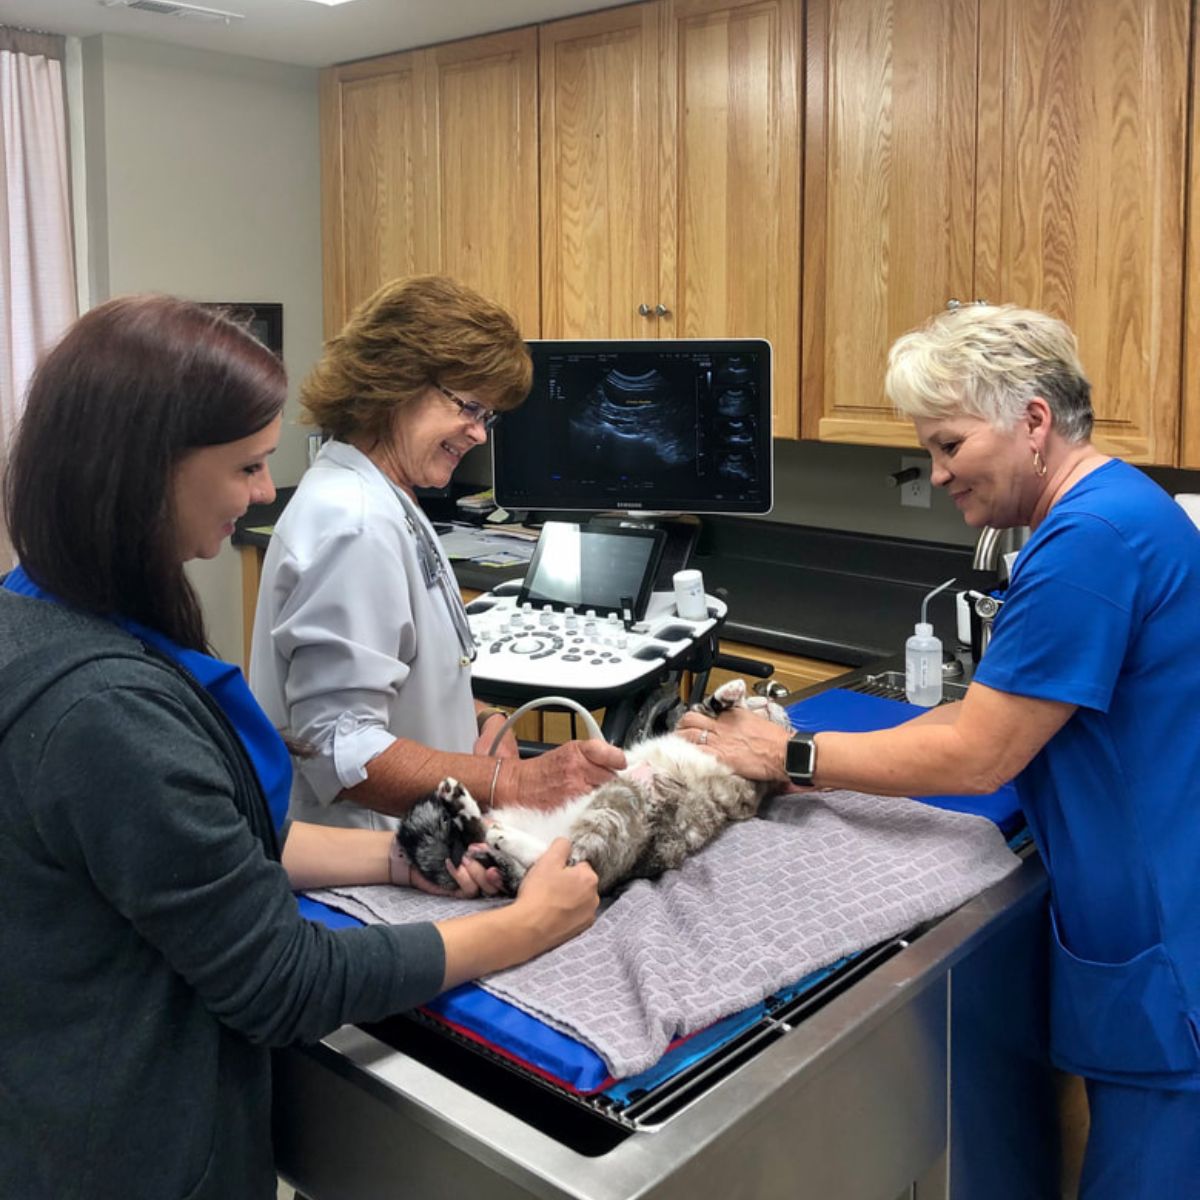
801,761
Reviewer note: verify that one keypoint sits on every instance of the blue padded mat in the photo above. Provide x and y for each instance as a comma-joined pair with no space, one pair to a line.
854,712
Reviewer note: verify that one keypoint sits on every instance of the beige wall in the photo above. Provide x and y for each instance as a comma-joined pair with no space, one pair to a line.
203,180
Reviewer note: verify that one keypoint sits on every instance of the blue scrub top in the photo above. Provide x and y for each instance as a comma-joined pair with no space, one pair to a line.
1103,612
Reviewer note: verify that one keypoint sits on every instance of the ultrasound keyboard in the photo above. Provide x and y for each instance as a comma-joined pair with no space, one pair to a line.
526,650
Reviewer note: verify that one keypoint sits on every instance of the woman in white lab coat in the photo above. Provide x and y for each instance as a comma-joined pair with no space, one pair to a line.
361,651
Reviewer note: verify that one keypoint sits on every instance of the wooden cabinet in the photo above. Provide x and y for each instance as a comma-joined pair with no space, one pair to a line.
1008,150
1190,433
670,156
599,96
429,165
372,150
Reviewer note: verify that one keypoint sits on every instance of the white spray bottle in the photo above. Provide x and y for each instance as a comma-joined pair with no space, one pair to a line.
923,659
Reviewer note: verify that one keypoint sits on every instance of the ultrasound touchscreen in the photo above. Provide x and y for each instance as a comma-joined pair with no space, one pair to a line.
574,567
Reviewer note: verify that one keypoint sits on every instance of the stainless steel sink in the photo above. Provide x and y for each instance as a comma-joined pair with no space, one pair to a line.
891,685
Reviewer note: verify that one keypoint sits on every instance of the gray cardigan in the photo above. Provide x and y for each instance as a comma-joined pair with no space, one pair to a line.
150,947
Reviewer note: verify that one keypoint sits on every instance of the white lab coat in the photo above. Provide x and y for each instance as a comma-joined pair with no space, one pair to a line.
351,648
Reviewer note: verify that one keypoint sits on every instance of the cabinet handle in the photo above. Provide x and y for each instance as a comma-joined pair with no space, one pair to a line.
982,303
952,303
644,310
661,310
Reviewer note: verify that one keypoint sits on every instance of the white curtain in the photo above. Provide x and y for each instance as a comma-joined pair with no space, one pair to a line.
37,276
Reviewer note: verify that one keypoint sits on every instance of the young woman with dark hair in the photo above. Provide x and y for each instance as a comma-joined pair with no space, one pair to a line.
152,946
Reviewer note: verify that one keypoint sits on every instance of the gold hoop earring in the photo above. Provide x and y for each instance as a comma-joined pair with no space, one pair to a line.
1039,464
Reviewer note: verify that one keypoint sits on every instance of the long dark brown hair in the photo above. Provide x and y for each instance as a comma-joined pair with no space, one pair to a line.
132,386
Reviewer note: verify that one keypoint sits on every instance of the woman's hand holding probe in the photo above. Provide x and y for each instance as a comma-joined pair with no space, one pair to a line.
559,774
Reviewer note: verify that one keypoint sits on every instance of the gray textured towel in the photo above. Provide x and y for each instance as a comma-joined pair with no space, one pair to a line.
823,875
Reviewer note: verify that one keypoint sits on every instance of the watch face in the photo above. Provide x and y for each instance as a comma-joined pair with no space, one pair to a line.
800,755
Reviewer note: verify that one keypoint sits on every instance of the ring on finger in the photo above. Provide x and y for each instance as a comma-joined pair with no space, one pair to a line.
704,737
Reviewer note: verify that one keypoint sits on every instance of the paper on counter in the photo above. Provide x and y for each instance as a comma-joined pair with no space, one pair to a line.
469,542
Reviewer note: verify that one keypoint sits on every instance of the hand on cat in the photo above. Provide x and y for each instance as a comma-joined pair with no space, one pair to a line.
742,740
560,900
559,774
474,879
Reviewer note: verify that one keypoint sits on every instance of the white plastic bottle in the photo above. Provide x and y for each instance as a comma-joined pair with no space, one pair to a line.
690,601
923,667
923,659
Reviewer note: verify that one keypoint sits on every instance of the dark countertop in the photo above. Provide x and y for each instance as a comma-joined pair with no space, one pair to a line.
848,598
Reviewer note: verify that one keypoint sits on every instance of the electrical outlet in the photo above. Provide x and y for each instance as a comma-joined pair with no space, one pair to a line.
914,493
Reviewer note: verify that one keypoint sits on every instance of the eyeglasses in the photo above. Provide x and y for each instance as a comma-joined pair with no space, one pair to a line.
471,409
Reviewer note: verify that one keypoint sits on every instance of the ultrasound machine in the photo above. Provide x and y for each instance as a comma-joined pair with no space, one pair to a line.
641,436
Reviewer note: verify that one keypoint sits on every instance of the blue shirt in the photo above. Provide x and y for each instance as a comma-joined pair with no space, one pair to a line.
1103,612
227,686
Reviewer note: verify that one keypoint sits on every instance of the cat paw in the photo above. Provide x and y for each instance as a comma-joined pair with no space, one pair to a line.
458,801
731,694
522,847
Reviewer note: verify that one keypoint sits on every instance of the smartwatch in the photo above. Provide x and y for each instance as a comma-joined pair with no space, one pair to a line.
801,761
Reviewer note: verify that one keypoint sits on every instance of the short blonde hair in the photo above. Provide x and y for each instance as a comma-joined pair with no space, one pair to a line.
989,361
410,334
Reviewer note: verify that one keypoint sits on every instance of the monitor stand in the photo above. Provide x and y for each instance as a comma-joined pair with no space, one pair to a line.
682,530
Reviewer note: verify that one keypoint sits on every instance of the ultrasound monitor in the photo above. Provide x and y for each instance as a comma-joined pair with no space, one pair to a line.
661,426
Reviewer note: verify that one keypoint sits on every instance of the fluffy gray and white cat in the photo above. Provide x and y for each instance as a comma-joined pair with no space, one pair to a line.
670,801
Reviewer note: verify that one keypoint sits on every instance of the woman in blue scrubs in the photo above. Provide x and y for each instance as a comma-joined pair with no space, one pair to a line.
1089,696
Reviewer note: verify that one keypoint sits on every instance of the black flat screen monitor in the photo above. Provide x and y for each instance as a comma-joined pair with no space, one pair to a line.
600,569
662,426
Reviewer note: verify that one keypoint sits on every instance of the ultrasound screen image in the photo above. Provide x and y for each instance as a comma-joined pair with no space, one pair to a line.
669,426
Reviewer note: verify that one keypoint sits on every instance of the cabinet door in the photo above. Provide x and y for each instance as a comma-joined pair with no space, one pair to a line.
371,167
481,185
1189,455
889,193
731,180
598,87
1087,103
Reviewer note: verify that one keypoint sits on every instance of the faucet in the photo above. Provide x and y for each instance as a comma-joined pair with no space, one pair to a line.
993,544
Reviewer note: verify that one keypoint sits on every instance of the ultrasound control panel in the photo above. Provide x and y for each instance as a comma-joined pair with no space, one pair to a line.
526,649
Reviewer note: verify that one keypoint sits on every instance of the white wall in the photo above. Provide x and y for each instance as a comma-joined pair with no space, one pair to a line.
203,180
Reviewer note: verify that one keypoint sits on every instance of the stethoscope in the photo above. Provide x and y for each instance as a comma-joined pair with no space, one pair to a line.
434,573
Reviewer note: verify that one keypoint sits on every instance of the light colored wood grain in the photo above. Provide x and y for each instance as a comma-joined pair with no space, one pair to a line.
599,96
481,168
372,172
1074,1122
731,180
889,196
1091,197
1189,450
251,564
794,671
